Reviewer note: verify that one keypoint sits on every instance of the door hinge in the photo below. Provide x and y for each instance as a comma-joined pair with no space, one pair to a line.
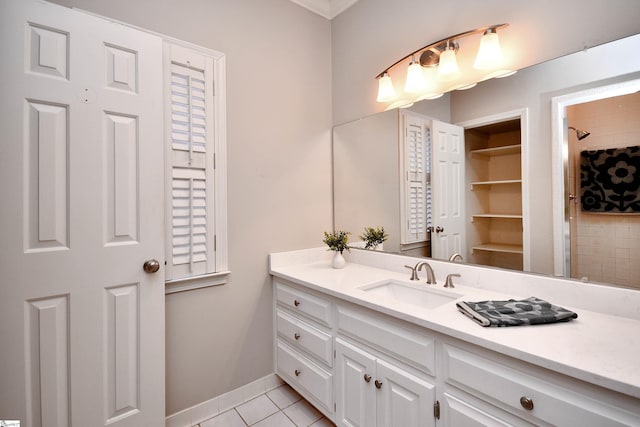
334,406
436,410
334,354
214,160
215,242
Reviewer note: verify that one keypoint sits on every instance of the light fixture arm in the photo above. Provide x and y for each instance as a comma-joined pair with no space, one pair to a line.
437,47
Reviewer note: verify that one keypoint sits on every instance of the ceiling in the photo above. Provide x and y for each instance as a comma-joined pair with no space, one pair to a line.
327,8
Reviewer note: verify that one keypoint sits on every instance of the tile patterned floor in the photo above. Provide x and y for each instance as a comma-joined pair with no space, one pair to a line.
280,407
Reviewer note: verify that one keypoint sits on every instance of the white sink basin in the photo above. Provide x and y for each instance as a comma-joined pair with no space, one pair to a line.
419,294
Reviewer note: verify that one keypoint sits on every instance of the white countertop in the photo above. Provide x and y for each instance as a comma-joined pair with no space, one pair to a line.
598,348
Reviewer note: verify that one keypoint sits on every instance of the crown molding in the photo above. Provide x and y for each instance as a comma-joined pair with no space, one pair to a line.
326,8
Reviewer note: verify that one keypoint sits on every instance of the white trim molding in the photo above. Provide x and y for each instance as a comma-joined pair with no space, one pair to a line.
326,8
212,407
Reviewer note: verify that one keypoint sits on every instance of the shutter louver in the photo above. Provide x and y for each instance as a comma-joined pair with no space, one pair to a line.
191,231
415,169
189,223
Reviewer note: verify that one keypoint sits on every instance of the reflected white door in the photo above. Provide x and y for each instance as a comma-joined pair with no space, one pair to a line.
447,177
81,324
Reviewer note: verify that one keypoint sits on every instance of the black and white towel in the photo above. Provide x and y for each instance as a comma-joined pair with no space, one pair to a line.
529,311
610,180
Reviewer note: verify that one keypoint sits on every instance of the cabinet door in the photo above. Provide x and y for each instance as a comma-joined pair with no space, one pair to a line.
355,390
403,400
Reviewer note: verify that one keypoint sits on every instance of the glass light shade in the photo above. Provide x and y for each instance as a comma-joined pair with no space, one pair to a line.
415,80
489,54
448,68
386,92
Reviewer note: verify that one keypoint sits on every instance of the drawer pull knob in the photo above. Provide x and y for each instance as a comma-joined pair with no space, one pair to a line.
367,378
296,302
297,372
378,384
296,336
526,402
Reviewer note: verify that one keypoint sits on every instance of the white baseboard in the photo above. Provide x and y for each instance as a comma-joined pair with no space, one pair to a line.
212,407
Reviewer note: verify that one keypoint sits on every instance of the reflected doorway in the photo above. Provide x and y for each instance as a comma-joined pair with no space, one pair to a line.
598,245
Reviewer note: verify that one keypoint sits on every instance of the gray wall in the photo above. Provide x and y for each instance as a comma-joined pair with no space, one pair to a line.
279,145
373,34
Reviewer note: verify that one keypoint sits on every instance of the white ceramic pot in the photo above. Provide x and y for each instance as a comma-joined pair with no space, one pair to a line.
338,260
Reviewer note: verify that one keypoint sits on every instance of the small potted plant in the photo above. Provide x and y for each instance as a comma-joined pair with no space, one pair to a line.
337,242
373,237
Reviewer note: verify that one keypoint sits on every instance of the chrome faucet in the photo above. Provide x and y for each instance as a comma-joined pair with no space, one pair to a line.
455,257
431,277
449,282
414,272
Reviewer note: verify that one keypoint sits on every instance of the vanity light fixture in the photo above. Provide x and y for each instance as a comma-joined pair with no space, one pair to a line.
386,91
437,70
415,82
448,65
489,54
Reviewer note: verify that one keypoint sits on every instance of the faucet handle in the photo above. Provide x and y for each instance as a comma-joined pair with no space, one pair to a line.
414,272
448,283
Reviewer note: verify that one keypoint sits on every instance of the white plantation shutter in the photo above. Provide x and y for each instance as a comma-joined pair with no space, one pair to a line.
189,222
415,179
192,228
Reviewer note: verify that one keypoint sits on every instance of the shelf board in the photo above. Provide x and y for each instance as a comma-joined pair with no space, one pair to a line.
498,182
498,247
498,151
494,215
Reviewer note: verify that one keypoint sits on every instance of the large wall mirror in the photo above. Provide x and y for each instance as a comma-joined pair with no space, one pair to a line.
367,185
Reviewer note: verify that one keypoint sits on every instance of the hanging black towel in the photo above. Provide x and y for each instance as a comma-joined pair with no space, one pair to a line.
529,311
610,180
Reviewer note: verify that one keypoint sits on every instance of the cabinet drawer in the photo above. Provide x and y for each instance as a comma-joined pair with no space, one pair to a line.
404,343
298,370
304,303
304,336
507,385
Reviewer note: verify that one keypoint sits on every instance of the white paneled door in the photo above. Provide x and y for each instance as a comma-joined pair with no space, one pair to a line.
81,323
448,178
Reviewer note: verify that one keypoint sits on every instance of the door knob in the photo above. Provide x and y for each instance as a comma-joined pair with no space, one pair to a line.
439,229
151,266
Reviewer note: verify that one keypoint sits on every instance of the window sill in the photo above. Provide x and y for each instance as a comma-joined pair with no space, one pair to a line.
196,282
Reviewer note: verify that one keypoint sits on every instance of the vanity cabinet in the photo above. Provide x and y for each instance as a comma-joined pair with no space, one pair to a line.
304,344
484,388
384,371
375,391
361,367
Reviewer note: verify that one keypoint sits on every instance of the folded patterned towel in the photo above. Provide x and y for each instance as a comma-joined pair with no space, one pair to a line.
529,311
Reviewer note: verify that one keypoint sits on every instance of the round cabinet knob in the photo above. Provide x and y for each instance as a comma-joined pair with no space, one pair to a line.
367,378
526,402
296,302
378,383
297,372
151,266
296,336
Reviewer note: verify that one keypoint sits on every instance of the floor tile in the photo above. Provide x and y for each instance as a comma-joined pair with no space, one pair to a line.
279,419
257,409
283,396
302,413
323,423
226,419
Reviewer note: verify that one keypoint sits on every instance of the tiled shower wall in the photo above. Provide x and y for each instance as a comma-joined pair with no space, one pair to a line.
607,245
